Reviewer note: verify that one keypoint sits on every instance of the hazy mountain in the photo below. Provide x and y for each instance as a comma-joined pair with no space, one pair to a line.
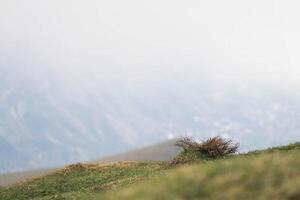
50,117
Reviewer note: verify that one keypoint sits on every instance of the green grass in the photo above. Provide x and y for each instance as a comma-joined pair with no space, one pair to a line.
268,174
79,180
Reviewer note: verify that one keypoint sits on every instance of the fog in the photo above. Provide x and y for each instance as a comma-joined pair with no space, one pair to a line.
257,41
75,75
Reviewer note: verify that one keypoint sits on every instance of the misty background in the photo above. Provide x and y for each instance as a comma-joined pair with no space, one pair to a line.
80,80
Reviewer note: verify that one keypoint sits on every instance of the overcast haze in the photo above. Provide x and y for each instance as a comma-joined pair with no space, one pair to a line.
83,79
228,38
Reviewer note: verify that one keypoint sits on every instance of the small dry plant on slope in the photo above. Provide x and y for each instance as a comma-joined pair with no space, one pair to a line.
211,148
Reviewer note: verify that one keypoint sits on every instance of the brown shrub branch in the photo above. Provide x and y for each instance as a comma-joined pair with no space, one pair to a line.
211,148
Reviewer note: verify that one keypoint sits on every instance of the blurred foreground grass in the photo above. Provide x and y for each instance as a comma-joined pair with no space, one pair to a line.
266,176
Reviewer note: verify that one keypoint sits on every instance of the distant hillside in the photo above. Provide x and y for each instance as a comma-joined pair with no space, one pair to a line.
12,178
266,174
160,152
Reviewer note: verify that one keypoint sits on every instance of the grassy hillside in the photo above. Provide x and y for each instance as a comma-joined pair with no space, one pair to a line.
159,152
268,174
80,179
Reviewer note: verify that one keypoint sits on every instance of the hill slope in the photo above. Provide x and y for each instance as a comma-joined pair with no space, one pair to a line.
268,174
159,152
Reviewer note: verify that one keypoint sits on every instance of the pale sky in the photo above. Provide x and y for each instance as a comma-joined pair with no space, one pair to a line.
245,41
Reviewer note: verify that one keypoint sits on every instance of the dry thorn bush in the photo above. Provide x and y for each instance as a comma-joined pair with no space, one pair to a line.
211,148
